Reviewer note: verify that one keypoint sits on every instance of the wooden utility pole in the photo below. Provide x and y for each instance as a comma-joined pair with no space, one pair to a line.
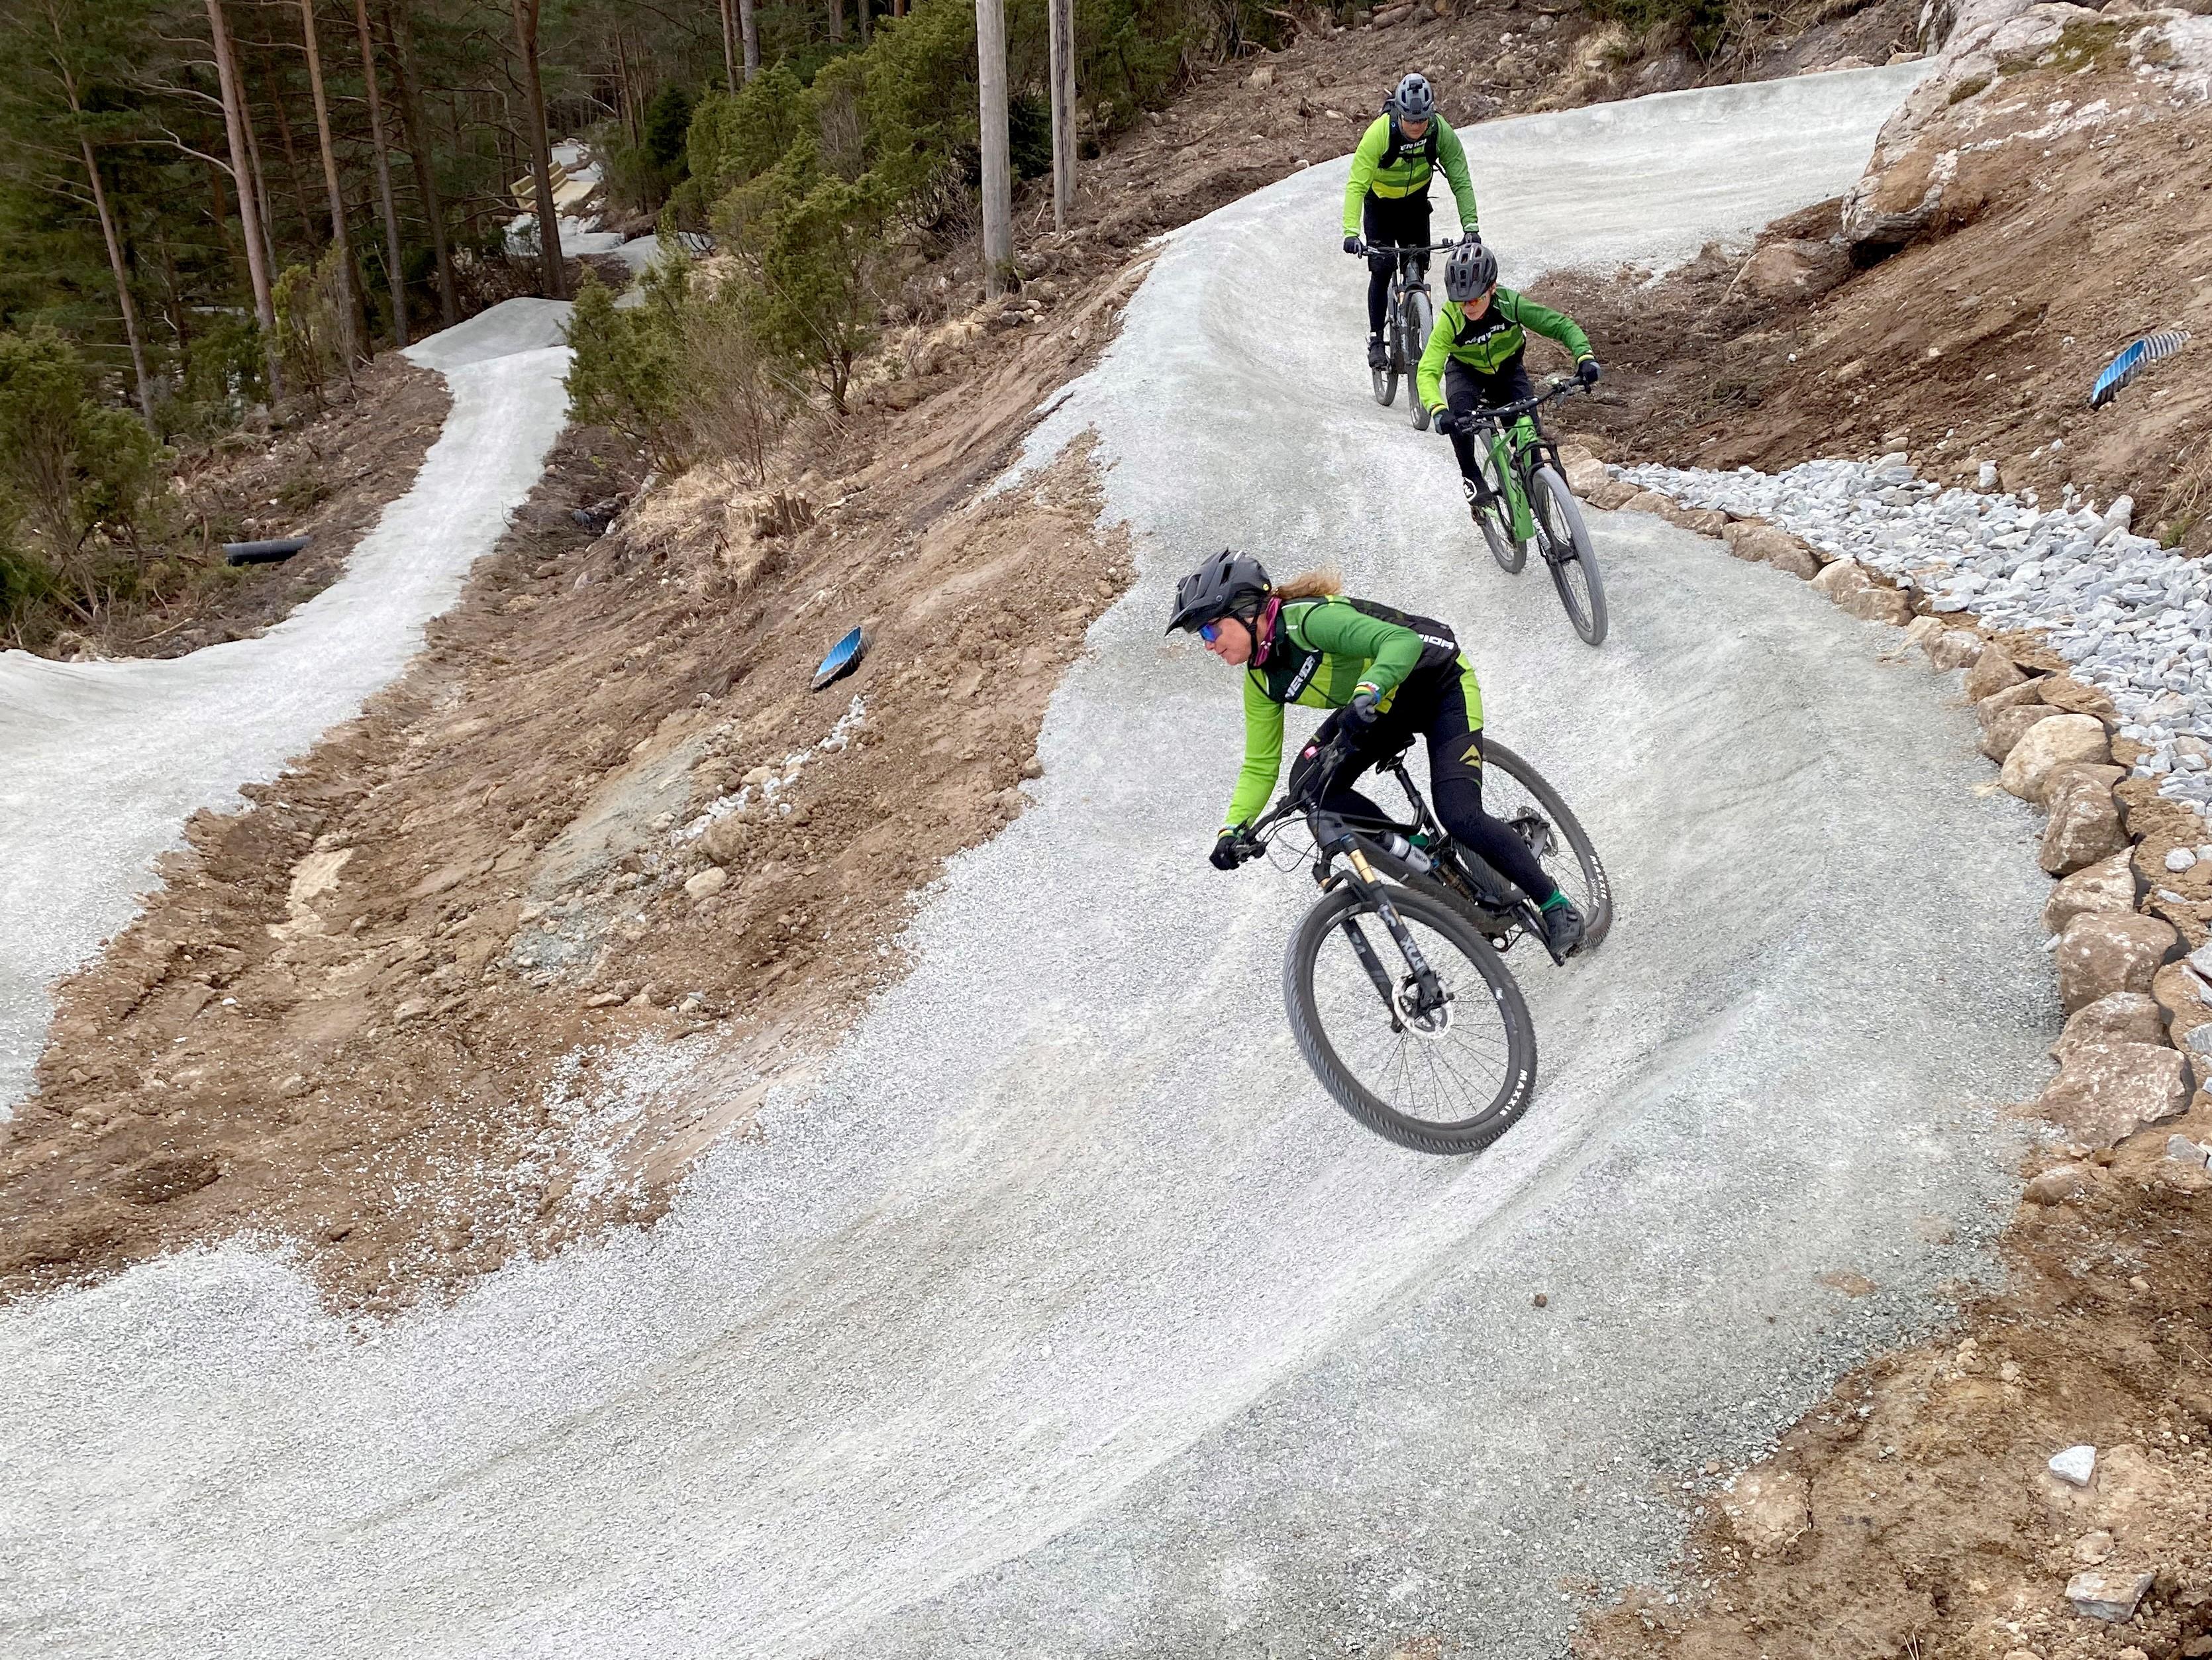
998,159
1061,13
394,272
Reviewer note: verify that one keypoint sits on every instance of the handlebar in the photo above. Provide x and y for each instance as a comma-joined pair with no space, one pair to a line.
1411,247
1561,386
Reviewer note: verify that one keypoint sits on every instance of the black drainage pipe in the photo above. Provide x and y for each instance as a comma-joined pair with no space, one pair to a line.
262,553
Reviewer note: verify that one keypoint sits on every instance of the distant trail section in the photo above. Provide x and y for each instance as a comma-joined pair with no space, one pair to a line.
1065,1314
101,763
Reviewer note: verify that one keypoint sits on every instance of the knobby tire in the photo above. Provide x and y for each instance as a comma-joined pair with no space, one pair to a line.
1573,562
1469,1134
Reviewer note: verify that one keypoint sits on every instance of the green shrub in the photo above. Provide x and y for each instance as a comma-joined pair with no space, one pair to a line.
313,340
811,242
1704,24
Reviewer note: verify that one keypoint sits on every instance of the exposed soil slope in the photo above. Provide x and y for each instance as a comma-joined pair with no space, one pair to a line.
2029,220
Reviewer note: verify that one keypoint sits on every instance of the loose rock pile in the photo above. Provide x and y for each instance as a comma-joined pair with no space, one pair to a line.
2085,649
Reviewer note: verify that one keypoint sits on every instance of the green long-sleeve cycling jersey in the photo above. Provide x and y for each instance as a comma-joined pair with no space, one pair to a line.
1488,343
1391,165
1323,653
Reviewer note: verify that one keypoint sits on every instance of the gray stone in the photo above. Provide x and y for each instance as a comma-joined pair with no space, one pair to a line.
2074,1466
2107,1594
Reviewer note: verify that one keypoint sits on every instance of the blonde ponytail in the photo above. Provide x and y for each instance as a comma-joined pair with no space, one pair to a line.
1326,583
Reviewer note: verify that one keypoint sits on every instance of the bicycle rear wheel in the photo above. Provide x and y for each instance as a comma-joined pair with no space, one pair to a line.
1567,551
1495,515
1414,318
1515,792
1451,1079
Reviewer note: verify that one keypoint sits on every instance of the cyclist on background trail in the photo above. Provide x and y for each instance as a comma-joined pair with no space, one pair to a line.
1385,677
1388,193
1473,361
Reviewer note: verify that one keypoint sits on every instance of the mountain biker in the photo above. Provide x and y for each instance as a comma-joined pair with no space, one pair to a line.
1385,676
1389,191
1474,359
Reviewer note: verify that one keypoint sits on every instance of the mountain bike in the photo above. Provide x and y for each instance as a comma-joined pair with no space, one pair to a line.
1410,318
1518,466
1397,991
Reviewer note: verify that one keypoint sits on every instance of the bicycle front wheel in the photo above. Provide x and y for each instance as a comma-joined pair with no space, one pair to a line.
1515,793
1567,551
1495,515
1414,318
1446,1074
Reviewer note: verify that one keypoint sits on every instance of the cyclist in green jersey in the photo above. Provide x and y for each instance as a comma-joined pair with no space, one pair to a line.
1386,677
1389,191
1474,359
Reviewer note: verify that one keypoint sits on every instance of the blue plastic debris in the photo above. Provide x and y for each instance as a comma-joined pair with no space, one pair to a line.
844,657
2132,362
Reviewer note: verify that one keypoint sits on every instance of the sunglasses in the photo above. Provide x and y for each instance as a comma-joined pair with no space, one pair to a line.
1210,632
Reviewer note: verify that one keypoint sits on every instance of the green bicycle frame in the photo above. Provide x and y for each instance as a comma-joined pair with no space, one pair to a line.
1505,447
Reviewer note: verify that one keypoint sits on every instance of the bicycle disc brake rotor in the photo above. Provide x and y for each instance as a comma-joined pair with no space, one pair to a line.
1432,1023
1533,829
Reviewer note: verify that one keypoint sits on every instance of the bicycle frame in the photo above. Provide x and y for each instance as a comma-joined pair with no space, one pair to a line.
1522,455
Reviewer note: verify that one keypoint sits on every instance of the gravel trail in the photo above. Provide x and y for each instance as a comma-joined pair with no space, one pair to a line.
1066,1315
101,763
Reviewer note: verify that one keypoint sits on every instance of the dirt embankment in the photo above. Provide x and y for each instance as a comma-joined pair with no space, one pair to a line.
2036,208
602,818
417,1011
325,475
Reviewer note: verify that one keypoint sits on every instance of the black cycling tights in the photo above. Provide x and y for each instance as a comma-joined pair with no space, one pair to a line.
1392,221
1454,786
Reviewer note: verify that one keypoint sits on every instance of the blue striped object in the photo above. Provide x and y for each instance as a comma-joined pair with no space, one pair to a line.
2130,363
844,657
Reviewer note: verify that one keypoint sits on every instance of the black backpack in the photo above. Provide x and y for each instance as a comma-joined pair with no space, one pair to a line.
1395,149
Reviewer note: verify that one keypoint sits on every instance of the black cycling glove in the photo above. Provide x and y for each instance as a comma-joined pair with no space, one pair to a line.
1224,855
1362,709
1587,372
1353,245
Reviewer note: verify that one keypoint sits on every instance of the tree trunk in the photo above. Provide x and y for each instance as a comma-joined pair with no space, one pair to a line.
418,135
355,345
395,269
729,42
122,276
861,9
1061,28
837,20
291,155
748,33
245,174
998,162
541,150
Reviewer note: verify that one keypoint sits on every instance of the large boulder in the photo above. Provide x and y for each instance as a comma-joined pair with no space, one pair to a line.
2049,744
1958,648
2104,951
1766,542
2125,1016
2084,826
2017,696
1876,604
2104,1092
1798,269
1993,671
2002,729
2107,885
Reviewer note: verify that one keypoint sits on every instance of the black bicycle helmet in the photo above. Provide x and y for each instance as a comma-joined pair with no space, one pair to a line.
1414,99
1227,585
1469,270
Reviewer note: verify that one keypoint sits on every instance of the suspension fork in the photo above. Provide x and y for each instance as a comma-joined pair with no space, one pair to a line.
1362,881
